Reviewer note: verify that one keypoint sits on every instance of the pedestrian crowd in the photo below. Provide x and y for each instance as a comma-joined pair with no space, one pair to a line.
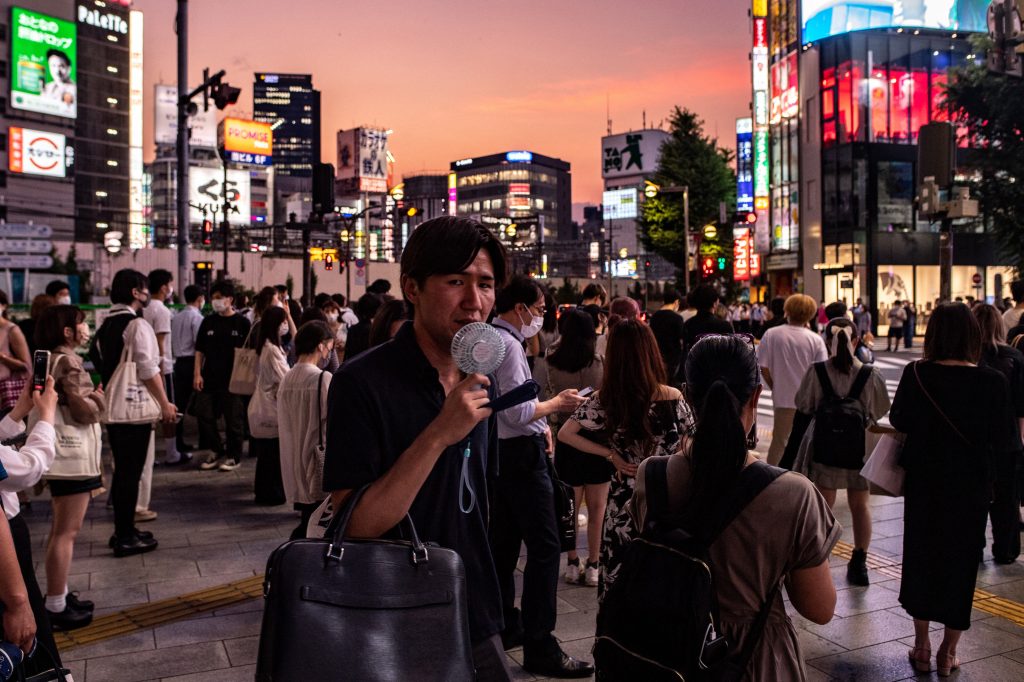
648,422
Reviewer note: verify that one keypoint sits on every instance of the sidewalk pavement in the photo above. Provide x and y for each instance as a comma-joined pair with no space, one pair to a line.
211,533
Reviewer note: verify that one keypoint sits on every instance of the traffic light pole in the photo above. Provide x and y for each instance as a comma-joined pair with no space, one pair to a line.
182,145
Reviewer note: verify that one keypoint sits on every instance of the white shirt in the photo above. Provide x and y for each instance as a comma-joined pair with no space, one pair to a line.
184,330
348,317
159,317
143,342
513,372
787,351
25,467
1011,318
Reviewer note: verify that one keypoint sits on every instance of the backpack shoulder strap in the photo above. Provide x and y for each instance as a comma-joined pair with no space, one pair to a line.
860,382
656,488
752,480
826,383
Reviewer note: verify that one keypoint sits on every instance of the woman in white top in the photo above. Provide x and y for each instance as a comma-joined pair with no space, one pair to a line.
302,420
263,423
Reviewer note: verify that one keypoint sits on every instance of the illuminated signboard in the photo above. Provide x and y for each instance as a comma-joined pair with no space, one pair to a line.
785,101
43,64
824,18
760,59
760,163
629,154
138,229
741,255
744,164
760,8
620,204
453,194
206,190
519,188
248,142
34,152
755,264
519,157
761,108
761,33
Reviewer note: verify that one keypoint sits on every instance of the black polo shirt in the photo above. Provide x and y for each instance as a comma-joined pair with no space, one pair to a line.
378,404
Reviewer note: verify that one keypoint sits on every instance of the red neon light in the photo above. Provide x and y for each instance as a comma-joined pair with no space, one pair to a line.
760,32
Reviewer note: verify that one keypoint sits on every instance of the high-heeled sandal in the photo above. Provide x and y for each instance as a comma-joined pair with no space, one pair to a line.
921,659
952,663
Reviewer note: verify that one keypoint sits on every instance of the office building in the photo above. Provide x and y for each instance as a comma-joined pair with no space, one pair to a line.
292,106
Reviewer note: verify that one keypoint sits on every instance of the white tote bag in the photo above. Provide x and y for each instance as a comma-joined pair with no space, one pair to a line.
128,399
883,466
77,445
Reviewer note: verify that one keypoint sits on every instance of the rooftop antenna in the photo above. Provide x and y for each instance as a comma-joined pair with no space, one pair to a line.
644,120
608,105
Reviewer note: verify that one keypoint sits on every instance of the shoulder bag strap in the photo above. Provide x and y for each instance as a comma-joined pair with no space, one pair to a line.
319,409
860,382
656,487
757,629
752,480
937,408
826,383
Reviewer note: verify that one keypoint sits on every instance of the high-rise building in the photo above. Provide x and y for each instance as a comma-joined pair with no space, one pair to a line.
290,104
103,129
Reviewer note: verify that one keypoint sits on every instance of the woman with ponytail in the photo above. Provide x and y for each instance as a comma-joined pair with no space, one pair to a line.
785,533
842,369
635,415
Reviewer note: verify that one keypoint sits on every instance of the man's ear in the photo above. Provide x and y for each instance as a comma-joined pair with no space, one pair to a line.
410,289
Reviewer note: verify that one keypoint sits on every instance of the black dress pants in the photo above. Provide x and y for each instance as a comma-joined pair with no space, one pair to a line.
183,368
23,548
524,511
1005,509
268,484
128,445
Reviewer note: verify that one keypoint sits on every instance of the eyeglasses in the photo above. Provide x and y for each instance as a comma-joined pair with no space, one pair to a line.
745,338
541,310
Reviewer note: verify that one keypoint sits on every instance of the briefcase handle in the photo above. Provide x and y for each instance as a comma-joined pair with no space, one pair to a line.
339,526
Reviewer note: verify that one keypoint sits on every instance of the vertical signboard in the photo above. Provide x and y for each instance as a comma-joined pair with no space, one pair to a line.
453,193
759,81
744,164
43,64
138,230
741,255
202,126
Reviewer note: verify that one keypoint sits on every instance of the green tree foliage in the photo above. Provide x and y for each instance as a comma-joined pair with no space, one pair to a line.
691,158
991,109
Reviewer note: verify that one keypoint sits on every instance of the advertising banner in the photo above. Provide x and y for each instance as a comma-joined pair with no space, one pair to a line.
631,153
43,64
206,191
620,204
165,122
824,18
744,164
372,154
741,255
34,152
347,157
248,142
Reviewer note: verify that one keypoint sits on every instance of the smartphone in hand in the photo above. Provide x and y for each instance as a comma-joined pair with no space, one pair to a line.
40,368
584,392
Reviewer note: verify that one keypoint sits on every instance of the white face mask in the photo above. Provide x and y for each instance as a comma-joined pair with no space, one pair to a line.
533,328
64,300
219,305
332,317
283,329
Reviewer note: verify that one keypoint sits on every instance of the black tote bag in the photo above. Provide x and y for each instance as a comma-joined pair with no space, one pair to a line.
340,608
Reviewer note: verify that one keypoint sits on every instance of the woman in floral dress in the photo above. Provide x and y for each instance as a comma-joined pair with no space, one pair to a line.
634,416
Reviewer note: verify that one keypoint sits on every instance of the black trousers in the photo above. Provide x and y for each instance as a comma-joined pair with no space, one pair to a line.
269,487
128,445
1005,509
183,368
210,406
524,511
23,548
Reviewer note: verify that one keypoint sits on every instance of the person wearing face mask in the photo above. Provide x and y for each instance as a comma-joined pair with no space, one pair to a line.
62,329
219,335
59,291
302,421
262,411
524,506
129,443
159,317
184,331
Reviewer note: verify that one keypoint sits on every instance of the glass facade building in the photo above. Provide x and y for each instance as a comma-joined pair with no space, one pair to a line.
290,99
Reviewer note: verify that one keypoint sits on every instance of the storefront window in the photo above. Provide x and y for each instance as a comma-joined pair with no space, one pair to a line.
895,283
895,196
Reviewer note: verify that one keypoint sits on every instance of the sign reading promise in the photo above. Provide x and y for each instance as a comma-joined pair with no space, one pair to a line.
43,59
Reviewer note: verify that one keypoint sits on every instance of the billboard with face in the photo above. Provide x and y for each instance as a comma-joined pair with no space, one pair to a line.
824,18
43,64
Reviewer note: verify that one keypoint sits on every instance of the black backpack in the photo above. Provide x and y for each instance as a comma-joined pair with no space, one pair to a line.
659,619
840,422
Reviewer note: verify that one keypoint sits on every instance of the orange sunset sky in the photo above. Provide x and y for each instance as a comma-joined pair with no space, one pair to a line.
461,78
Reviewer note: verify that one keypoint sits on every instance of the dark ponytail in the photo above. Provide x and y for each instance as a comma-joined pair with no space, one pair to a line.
843,331
721,376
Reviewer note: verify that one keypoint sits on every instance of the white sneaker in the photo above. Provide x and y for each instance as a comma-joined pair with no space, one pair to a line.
230,465
573,573
211,462
590,575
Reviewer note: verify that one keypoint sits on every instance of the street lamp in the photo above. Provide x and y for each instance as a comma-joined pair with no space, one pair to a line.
652,190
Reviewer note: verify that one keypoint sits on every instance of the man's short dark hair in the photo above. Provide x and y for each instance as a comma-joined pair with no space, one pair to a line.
124,282
1017,290
448,245
703,297
56,286
592,291
379,286
520,289
58,53
192,293
669,296
368,305
311,335
834,310
159,277
320,299
224,288
340,300
778,306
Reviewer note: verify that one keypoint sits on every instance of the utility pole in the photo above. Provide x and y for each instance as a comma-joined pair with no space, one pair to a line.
182,146
226,207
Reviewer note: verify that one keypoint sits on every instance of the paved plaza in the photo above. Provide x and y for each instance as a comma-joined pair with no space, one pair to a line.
212,535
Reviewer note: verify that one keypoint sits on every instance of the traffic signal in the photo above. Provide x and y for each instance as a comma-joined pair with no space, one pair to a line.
225,95
721,263
328,262
411,211
748,217
207,232
323,188
708,268
647,264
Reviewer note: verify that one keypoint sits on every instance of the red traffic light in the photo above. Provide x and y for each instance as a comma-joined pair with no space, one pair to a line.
207,232
328,262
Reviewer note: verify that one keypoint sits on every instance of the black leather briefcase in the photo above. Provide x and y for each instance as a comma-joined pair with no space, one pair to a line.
364,610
